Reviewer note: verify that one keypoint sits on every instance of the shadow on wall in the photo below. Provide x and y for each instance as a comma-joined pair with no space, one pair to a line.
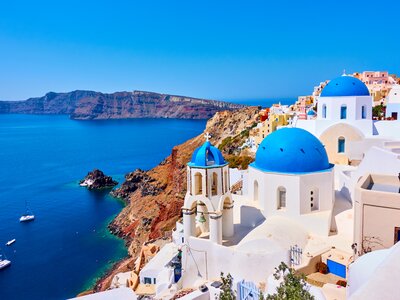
251,216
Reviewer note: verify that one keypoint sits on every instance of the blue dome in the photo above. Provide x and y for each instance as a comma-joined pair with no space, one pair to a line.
345,86
311,113
291,150
207,156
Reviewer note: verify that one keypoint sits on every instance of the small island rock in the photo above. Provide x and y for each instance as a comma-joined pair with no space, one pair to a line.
97,180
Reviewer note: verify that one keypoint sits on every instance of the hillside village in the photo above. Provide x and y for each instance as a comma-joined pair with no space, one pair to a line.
322,195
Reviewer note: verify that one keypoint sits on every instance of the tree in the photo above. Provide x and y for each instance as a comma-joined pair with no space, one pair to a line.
378,111
227,292
293,286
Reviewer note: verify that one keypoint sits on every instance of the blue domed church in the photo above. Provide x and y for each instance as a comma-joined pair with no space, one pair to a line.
208,206
344,116
292,177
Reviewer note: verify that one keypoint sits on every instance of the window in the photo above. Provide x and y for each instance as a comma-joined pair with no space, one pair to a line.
214,186
255,190
281,198
324,111
343,112
341,145
147,280
314,199
363,112
198,184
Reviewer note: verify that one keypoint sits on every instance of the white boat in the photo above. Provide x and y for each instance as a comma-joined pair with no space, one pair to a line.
27,218
28,215
4,263
10,242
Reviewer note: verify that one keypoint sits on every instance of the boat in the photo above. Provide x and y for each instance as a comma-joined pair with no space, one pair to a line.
10,242
4,263
28,216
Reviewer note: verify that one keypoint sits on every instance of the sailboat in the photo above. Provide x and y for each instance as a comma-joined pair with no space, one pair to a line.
28,216
4,262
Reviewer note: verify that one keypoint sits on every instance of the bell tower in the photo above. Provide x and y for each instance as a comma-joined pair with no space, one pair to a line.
208,206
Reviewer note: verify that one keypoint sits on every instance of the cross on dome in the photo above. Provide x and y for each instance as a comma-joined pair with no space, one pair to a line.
207,136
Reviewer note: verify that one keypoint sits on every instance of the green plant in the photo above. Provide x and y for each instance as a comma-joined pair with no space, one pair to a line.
227,292
224,142
293,286
378,111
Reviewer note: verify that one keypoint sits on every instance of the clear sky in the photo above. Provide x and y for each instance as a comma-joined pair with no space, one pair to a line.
211,49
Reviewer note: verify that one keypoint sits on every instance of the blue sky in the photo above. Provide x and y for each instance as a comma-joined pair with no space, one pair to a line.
211,49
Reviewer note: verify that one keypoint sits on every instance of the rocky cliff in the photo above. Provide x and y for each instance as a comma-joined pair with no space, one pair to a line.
154,198
88,105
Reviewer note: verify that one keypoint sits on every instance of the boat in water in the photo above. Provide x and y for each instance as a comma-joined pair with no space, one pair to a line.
4,262
28,216
10,242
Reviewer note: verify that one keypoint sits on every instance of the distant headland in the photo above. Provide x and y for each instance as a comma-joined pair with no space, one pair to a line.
91,105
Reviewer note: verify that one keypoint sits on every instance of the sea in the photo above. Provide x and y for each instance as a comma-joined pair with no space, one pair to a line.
42,158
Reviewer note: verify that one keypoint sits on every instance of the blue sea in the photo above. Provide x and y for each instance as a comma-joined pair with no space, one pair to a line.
42,158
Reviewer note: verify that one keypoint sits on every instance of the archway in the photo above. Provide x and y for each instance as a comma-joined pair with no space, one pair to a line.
214,185
198,184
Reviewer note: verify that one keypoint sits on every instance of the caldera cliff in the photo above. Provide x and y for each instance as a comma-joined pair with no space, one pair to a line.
89,105
154,198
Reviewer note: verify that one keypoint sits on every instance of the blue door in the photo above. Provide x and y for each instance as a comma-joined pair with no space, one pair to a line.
336,268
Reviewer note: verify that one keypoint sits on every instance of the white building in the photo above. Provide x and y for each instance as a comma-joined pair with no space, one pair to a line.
292,177
393,103
344,120
375,275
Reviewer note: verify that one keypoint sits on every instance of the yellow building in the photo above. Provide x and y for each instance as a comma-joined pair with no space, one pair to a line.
268,126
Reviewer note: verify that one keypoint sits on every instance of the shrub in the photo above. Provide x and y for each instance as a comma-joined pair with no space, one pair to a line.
293,286
227,292
322,267
342,283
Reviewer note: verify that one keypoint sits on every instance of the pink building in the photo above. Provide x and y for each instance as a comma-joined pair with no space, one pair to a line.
379,83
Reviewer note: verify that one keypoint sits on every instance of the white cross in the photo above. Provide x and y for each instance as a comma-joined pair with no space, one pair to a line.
207,136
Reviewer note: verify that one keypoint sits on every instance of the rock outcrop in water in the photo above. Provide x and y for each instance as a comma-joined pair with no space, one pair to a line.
97,180
154,198
90,105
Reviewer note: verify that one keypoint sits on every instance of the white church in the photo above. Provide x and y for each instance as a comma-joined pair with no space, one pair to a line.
296,206
295,197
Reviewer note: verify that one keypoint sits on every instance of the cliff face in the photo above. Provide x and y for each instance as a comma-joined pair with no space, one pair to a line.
88,105
154,198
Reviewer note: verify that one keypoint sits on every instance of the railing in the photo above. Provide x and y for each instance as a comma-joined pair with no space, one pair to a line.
237,186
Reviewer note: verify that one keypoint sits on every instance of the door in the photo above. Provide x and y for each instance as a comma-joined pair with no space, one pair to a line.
336,268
